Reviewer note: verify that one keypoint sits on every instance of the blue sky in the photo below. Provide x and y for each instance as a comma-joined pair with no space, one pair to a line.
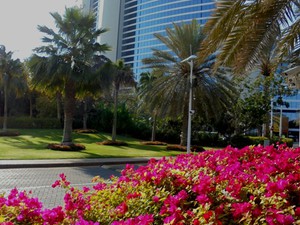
19,21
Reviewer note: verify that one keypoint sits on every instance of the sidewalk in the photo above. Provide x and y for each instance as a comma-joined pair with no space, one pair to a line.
9,164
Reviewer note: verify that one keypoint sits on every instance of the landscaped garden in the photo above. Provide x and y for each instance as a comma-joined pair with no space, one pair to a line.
220,77
32,144
253,185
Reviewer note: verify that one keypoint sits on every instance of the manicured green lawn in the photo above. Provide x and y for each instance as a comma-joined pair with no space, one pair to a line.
31,144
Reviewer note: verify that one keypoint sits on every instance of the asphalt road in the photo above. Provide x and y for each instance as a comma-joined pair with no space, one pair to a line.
39,180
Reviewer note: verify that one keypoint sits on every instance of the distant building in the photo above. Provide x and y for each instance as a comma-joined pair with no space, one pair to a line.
132,24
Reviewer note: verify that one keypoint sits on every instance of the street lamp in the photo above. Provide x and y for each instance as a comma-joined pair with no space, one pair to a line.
190,61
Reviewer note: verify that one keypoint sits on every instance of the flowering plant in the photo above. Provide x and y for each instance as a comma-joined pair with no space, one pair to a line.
253,185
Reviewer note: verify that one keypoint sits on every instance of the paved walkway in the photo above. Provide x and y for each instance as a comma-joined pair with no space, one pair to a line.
38,175
7,164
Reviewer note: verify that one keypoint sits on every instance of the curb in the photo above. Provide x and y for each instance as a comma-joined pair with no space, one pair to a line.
19,164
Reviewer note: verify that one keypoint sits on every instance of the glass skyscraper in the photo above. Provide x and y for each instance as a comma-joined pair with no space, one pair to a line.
132,23
140,19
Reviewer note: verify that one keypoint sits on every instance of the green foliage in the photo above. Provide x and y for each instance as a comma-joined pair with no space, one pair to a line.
241,141
46,107
288,141
207,139
28,123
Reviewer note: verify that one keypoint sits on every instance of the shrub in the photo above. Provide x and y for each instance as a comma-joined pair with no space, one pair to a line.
153,143
288,141
113,143
86,131
63,147
176,148
29,123
253,185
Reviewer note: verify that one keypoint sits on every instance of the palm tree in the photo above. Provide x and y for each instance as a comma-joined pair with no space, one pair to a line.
122,76
66,58
211,92
12,78
241,30
145,84
95,85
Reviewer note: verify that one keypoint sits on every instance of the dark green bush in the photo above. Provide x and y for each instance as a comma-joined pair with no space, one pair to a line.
289,141
28,123
206,138
241,141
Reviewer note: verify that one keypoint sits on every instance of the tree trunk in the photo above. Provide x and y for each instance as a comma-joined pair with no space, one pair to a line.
114,128
58,105
85,113
69,106
5,103
153,128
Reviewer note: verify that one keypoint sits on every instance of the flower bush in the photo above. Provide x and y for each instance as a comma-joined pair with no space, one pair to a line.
253,185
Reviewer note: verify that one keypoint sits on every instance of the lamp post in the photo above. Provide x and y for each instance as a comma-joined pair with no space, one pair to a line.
190,61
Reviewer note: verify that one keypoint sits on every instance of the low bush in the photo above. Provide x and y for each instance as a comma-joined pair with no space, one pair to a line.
113,143
241,141
288,141
176,148
86,131
29,123
253,185
63,147
153,143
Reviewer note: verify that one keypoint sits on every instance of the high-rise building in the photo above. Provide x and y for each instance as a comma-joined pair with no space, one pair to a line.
132,24
142,18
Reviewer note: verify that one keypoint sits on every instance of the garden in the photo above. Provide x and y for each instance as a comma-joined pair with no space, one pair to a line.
252,185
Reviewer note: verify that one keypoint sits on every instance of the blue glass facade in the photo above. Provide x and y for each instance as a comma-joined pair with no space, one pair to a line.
143,18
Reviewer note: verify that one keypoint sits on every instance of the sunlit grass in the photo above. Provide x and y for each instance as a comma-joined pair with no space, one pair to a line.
31,144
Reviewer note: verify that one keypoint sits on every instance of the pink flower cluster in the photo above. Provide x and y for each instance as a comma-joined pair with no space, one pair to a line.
253,185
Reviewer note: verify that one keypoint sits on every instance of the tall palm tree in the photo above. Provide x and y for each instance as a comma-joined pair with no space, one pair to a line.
211,92
241,30
122,76
12,78
66,58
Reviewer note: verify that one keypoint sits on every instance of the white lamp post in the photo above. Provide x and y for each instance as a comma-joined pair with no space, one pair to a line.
190,61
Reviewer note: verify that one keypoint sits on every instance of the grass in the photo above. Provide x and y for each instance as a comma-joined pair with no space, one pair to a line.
31,144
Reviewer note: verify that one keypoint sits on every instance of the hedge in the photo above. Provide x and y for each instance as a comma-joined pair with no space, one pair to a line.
28,123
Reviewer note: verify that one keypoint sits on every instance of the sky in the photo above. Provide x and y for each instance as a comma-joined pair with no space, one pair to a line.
19,20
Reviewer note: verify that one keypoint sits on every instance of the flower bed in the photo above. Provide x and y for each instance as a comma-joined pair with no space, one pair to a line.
253,185
64,147
112,143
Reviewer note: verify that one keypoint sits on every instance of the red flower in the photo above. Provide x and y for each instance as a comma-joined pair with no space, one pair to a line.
207,215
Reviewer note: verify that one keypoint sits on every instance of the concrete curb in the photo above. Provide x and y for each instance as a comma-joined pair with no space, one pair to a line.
18,164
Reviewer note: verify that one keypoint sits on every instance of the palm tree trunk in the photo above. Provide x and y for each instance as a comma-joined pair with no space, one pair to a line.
154,128
114,128
58,105
85,114
5,104
69,106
